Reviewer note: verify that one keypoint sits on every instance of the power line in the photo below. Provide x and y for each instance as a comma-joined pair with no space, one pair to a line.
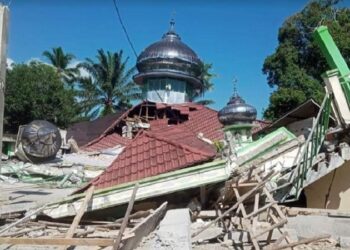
124,28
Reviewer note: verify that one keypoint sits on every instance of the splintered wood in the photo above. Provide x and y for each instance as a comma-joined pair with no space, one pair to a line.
255,212
123,233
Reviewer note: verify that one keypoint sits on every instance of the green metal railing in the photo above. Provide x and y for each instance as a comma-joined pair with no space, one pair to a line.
311,149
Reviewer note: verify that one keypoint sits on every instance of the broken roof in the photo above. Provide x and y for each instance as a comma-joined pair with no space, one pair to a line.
307,109
153,153
189,116
178,136
172,141
84,132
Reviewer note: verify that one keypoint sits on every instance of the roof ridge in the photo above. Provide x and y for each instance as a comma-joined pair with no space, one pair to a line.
183,146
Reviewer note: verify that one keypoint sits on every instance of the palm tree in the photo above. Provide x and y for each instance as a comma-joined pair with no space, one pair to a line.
109,86
206,77
61,60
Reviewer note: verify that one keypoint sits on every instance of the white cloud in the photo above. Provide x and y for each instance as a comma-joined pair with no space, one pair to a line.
9,63
36,59
83,72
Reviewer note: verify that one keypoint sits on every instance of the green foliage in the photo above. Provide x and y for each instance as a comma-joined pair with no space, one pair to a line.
206,76
61,60
219,146
109,86
295,69
35,91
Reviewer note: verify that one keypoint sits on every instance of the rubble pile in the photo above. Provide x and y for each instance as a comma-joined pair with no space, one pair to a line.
179,175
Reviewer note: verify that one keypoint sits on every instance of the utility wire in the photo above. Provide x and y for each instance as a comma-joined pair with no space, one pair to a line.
124,28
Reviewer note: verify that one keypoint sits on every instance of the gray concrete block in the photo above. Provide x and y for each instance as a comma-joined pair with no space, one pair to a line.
313,225
173,233
344,242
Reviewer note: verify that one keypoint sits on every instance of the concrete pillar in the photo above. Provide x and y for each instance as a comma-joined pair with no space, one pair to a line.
3,56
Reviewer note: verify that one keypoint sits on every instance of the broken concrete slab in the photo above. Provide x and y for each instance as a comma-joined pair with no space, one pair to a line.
17,197
312,225
173,232
209,234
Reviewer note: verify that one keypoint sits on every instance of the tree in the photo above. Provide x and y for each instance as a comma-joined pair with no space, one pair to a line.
295,68
109,86
61,61
35,91
206,77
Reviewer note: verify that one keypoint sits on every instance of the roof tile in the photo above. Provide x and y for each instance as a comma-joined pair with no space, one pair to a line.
154,161
164,147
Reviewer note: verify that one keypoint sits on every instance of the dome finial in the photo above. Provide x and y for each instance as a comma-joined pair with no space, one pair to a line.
172,22
235,92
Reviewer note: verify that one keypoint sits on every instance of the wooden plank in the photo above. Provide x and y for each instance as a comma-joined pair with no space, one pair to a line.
145,227
3,56
303,241
244,213
23,231
240,206
260,210
277,209
79,214
278,241
244,184
57,241
136,215
239,201
126,217
278,224
256,208
275,219
27,217
203,195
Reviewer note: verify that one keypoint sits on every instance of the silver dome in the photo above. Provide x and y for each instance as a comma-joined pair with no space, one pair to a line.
169,47
237,112
169,57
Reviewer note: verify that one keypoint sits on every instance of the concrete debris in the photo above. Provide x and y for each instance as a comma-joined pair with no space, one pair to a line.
173,232
67,170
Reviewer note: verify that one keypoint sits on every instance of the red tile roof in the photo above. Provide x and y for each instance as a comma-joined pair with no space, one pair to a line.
84,132
155,152
169,144
199,119
260,125
107,141
205,120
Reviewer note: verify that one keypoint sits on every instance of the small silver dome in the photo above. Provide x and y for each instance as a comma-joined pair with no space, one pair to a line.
237,112
169,57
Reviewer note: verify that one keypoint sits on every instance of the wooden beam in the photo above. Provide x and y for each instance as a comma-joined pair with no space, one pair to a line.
278,241
239,201
240,206
244,213
203,195
27,217
278,224
144,228
256,208
126,217
79,214
244,184
3,55
24,231
303,241
58,241
261,209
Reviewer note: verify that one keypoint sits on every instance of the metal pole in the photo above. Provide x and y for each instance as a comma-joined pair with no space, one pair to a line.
3,56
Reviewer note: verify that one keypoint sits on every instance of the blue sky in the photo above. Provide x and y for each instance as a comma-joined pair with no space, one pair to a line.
235,36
